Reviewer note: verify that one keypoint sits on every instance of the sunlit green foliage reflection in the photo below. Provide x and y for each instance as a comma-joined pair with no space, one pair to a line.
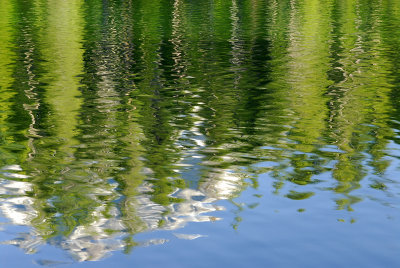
119,117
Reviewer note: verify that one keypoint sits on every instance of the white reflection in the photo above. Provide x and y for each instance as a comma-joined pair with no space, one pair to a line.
189,236
13,204
222,184
94,241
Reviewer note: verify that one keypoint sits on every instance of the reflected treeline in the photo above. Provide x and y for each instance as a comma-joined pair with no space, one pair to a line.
120,117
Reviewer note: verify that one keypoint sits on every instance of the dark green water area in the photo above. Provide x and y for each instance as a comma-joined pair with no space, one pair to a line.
207,133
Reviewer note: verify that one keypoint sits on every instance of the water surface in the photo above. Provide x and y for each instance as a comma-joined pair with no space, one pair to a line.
201,133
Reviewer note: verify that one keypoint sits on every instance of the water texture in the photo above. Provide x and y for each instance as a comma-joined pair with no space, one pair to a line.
208,133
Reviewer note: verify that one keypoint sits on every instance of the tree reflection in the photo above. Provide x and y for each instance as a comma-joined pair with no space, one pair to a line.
120,117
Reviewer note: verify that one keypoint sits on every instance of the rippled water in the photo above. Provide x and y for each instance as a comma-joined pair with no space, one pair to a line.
207,133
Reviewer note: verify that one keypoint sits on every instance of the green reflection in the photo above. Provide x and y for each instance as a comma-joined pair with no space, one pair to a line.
120,117
7,56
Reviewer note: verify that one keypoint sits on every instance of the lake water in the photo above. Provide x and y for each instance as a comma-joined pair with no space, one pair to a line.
207,133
